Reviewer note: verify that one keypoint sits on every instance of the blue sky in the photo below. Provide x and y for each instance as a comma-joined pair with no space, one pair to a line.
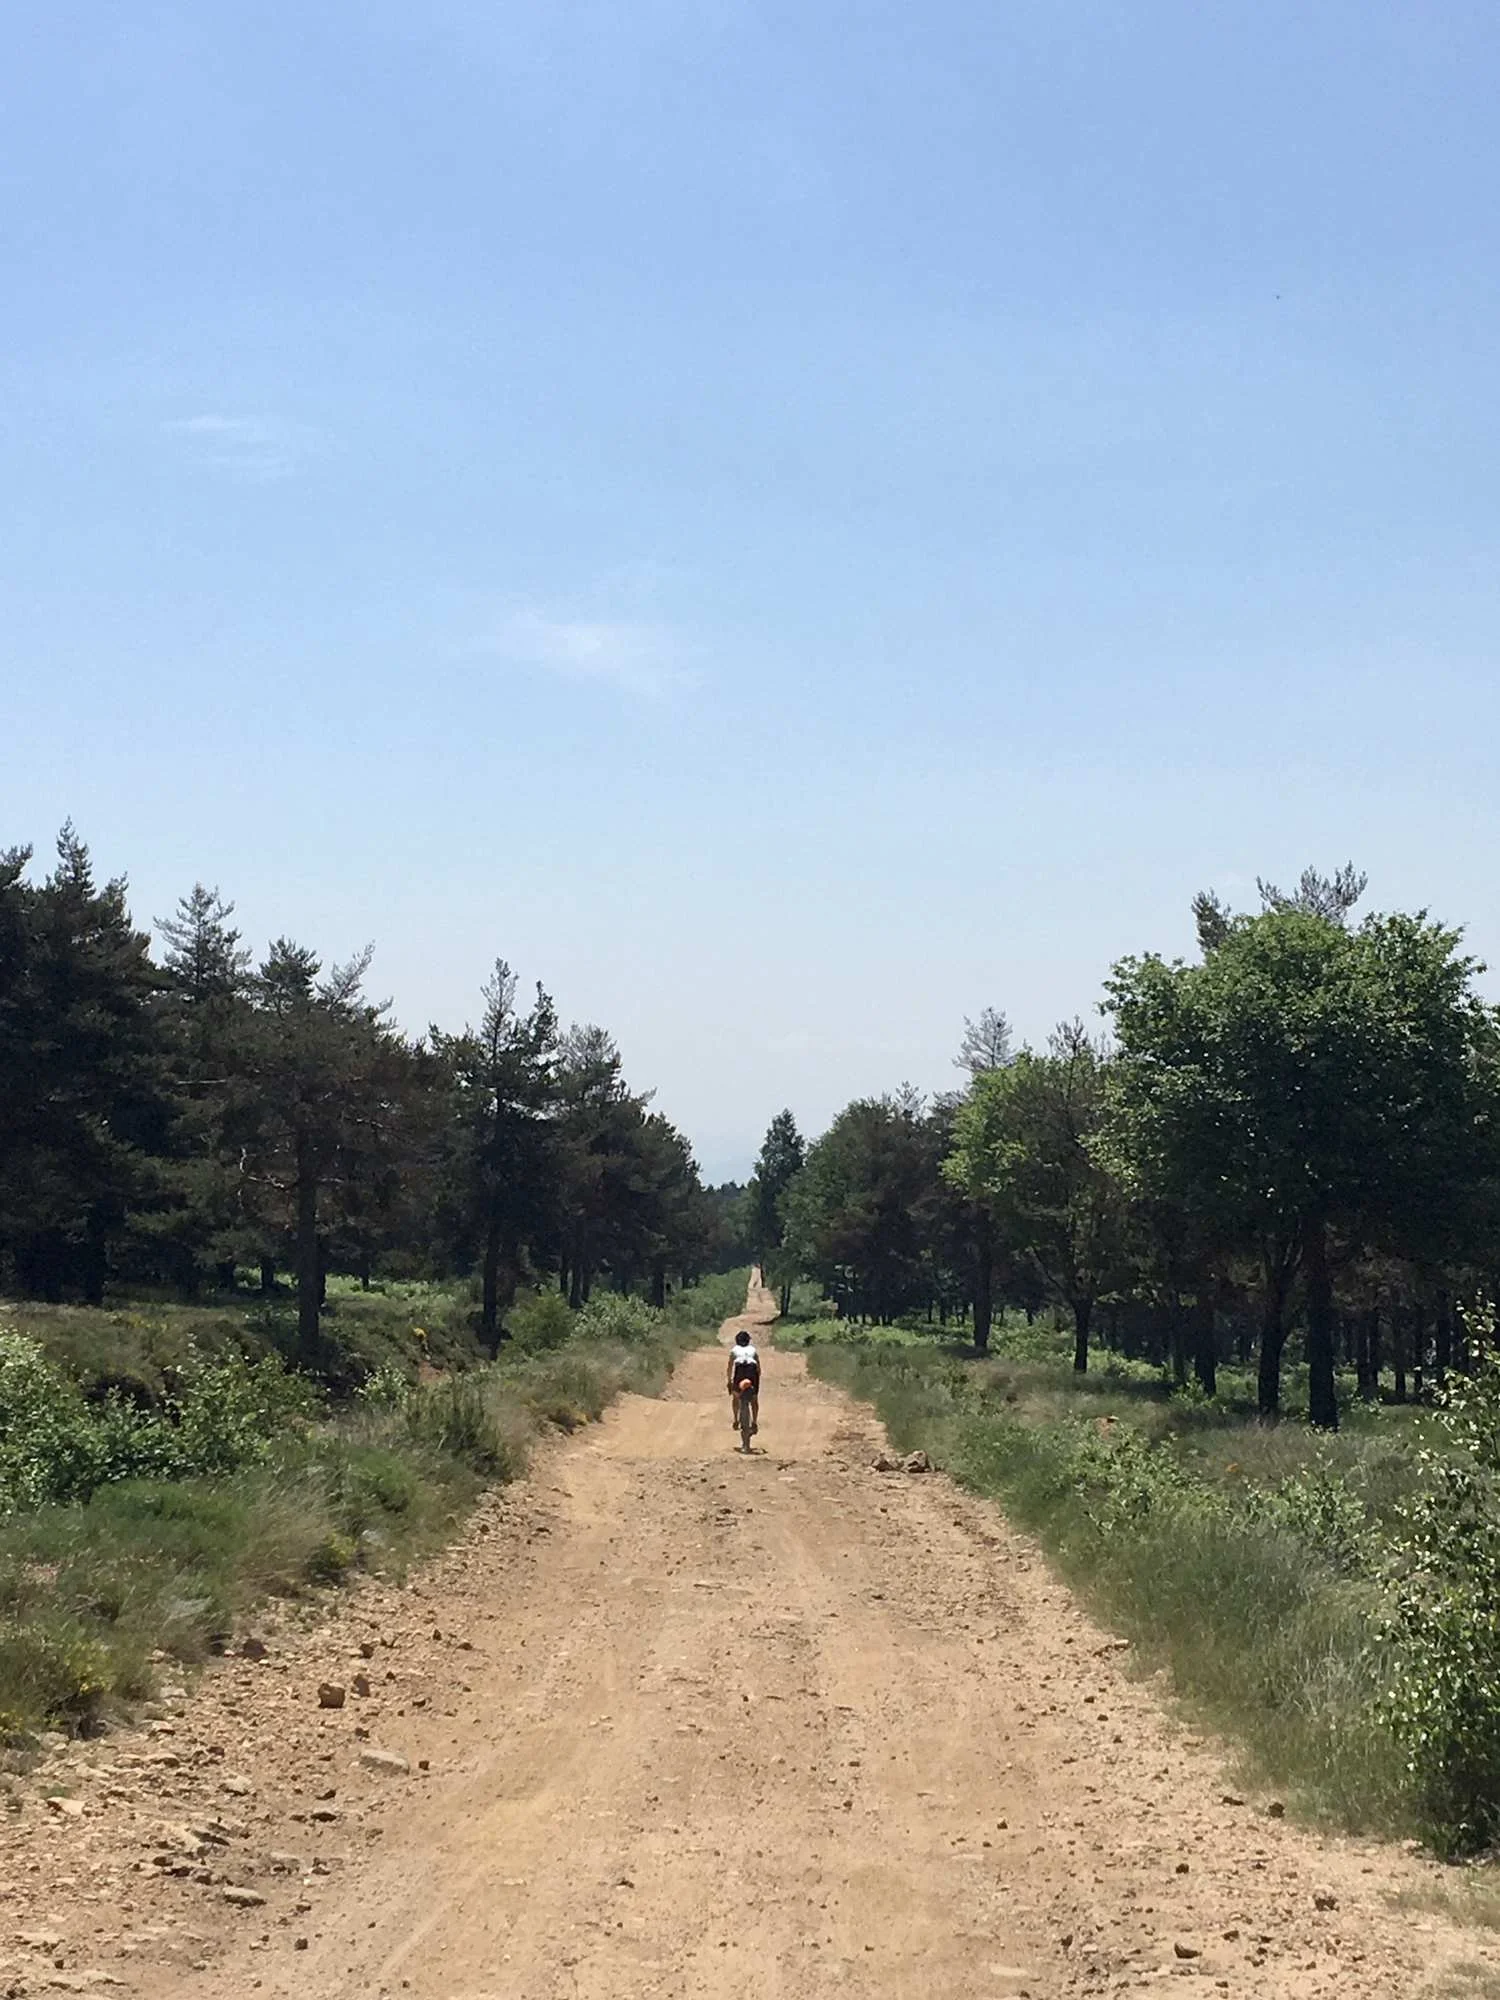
789,524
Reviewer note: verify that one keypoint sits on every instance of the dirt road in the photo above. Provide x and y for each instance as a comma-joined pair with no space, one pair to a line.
683,1723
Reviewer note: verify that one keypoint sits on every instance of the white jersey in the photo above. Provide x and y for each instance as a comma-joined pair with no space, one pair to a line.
744,1352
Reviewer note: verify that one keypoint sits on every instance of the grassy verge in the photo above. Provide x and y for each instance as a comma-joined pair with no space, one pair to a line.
1247,1562
135,1346
711,1301
278,1498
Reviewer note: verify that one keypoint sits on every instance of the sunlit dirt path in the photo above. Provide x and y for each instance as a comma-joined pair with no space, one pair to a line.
681,1722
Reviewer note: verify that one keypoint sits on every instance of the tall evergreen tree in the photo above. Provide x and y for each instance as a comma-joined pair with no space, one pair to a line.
501,1166
86,1107
781,1159
319,1080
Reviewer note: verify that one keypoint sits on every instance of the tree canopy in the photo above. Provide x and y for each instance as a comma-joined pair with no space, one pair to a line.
174,1120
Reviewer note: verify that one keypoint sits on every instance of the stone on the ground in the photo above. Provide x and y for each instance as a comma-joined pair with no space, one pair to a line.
330,1695
916,1461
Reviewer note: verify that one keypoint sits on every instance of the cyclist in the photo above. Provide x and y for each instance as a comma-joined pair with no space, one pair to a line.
744,1380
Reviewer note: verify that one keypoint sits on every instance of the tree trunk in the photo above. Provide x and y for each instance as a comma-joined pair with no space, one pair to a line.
1398,1351
1322,1385
1443,1353
309,1255
489,1292
1244,1337
659,1284
1083,1313
1369,1355
1205,1346
267,1276
984,1290
1177,1339
786,1299
1272,1340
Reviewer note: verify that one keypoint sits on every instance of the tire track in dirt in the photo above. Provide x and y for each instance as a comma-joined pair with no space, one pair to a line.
682,1723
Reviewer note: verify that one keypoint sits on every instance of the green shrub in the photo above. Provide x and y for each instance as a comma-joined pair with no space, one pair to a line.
709,1302
229,1413
567,1389
462,1416
57,1672
539,1319
386,1389
243,1497
56,1445
617,1316
1444,1703
47,1432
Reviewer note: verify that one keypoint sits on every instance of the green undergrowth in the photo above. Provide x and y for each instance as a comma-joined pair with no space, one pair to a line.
711,1301
135,1531
135,1346
1298,1588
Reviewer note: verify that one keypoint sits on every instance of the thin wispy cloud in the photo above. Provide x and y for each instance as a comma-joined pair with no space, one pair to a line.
253,448
641,659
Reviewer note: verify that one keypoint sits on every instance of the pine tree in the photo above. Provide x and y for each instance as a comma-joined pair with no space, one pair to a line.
87,1111
500,1167
780,1160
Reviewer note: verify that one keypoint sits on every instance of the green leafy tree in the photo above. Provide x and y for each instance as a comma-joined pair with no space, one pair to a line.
1306,1086
855,1214
1024,1147
986,1045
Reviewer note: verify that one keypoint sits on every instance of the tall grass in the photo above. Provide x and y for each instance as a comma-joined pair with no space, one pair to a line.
137,1567
135,1347
1246,1562
708,1303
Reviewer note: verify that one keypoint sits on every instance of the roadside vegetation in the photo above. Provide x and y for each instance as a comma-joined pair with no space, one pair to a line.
1325,1599
280,1283
1203,1298
165,1471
